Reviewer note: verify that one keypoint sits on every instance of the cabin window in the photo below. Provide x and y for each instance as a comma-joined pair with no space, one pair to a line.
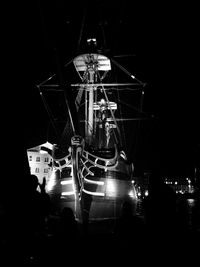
38,159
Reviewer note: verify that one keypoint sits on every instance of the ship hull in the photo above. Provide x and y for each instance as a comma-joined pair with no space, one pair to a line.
100,197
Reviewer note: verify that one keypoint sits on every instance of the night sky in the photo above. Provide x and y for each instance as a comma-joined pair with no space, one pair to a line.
163,38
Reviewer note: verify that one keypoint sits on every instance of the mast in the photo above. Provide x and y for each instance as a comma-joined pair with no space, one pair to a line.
89,67
90,101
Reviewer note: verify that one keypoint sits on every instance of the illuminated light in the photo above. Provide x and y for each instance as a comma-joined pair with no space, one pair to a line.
102,101
66,182
93,193
111,189
176,182
190,200
123,155
139,194
94,182
91,40
142,92
111,186
146,193
132,76
131,194
68,193
52,181
132,181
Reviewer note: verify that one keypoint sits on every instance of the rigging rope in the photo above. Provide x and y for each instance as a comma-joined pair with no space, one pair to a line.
126,71
81,30
48,111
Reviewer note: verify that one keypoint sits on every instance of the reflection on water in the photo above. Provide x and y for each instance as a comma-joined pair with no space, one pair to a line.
184,206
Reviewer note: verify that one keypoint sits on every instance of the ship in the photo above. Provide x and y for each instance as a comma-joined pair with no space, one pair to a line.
91,171
93,103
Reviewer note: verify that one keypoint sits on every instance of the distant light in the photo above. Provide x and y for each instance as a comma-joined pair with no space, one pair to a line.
191,201
146,193
132,76
131,194
91,39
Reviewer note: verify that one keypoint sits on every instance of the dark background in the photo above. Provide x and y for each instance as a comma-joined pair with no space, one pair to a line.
163,38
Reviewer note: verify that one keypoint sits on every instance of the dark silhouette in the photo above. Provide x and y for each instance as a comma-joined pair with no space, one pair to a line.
196,211
38,204
36,210
160,219
68,225
182,215
64,242
160,207
129,229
